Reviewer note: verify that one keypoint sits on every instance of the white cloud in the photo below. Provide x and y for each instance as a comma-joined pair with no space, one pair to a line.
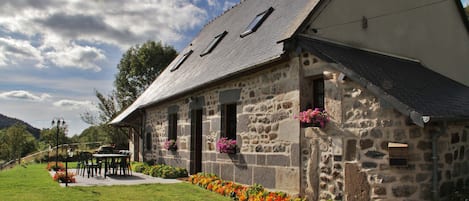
58,25
75,56
14,50
23,95
75,105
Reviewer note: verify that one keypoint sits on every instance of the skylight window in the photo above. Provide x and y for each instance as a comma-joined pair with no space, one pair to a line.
181,60
256,22
213,43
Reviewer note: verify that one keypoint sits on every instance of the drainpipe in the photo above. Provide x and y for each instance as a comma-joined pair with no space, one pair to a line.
141,144
435,191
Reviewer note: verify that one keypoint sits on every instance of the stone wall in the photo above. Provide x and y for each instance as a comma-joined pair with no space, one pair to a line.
267,133
349,159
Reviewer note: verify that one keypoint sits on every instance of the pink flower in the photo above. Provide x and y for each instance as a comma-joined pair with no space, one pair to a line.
317,116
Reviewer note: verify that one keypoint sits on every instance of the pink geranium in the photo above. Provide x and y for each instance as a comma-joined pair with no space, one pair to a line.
316,117
225,145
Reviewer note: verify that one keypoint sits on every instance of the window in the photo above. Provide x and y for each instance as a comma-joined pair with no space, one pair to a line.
181,60
318,93
148,141
213,43
256,22
228,121
172,126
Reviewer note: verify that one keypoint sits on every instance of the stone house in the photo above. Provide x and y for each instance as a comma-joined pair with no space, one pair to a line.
392,76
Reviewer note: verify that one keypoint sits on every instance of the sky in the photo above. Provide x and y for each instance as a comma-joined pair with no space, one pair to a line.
55,53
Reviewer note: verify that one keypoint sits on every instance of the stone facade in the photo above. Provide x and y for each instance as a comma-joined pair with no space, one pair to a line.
347,160
267,134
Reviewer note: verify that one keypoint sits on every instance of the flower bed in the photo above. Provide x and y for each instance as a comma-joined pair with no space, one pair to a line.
60,176
236,191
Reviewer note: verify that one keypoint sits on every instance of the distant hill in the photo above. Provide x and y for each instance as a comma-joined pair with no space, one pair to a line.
6,122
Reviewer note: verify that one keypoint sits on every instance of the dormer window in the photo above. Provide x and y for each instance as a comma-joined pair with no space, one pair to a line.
181,60
256,22
213,43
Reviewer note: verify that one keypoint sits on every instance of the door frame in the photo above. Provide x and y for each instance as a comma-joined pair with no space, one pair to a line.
196,141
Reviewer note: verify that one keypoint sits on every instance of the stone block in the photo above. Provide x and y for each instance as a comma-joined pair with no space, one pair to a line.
227,171
400,134
264,176
288,179
403,190
351,150
366,143
369,165
455,138
379,190
243,174
205,128
376,133
243,122
357,187
295,155
424,145
415,133
261,160
215,169
289,131
446,188
277,160
374,154
215,124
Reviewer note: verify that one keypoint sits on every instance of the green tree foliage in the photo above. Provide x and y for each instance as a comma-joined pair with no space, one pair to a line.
49,136
138,68
16,142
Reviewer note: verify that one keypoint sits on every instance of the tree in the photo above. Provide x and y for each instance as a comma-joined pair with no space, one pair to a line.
49,136
17,142
137,69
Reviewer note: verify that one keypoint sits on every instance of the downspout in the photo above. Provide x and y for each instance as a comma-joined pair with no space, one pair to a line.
435,191
141,146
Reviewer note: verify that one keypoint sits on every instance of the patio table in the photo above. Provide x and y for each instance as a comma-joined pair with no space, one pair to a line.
107,157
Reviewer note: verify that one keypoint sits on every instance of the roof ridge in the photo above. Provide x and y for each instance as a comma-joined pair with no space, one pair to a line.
224,12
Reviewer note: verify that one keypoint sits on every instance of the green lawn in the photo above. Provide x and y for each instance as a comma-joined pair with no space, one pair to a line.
33,182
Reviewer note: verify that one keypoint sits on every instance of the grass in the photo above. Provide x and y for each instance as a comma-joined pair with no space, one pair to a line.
33,182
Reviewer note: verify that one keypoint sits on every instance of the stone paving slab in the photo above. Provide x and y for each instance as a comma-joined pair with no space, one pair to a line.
134,179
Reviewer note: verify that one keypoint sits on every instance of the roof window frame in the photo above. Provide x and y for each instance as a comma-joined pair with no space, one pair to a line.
257,22
181,60
213,43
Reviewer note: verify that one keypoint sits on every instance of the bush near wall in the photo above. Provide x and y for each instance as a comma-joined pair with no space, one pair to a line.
236,191
160,170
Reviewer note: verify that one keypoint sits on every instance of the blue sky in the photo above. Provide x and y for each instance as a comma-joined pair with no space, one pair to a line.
54,53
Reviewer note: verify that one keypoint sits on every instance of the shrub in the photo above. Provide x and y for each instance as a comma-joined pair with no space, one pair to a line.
165,171
139,167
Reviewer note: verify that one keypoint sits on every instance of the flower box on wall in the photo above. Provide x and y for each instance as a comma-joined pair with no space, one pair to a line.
313,118
225,145
171,145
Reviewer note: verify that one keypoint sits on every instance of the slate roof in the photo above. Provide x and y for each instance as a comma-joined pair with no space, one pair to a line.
233,55
408,85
